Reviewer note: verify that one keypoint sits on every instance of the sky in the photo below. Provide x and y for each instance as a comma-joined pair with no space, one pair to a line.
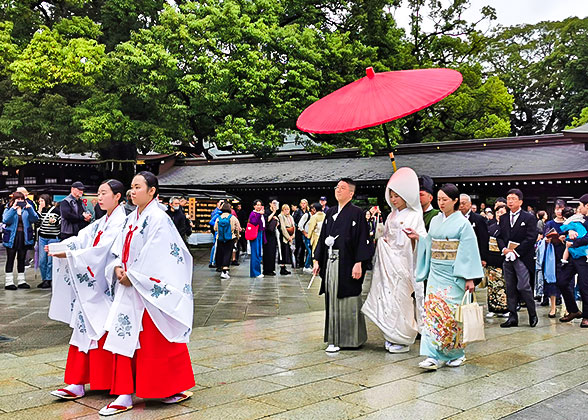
517,12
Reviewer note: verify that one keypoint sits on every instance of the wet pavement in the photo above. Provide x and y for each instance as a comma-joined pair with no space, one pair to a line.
257,352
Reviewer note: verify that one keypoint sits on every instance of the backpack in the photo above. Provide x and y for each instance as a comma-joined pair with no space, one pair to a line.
225,233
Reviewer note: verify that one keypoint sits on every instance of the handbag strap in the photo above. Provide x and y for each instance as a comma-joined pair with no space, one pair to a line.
465,295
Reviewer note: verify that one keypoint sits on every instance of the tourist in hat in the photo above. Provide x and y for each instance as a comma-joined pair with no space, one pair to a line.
323,202
18,218
73,214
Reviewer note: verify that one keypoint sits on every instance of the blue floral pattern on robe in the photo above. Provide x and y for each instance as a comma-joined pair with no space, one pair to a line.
85,278
158,291
81,323
175,251
123,326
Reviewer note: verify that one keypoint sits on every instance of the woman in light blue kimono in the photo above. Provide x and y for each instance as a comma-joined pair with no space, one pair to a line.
449,258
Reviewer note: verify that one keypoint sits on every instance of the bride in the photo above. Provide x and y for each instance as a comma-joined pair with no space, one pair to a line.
390,303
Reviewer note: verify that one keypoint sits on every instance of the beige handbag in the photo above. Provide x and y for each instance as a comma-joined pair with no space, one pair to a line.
471,316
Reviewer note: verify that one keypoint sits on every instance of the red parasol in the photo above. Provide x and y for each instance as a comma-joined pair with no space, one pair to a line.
378,98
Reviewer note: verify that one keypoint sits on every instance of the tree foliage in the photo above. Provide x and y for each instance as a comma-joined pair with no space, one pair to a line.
544,67
121,76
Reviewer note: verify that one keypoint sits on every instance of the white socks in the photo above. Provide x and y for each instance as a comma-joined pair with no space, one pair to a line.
21,278
9,279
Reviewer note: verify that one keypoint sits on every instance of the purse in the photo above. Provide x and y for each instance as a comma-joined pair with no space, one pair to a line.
251,232
471,316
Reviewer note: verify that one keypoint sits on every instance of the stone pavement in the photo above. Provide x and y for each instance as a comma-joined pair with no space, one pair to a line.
271,364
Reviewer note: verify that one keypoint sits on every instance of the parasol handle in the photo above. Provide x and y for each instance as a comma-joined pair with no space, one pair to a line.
393,160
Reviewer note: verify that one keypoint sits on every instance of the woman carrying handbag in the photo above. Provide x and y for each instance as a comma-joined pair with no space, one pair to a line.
255,234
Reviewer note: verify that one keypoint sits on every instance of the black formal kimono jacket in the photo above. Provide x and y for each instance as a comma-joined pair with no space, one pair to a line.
354,245
524,232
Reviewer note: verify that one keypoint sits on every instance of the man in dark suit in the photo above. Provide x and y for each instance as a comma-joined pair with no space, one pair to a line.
575,266
516,238
479,224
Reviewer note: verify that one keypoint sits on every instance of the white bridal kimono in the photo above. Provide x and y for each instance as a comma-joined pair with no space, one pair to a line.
389,304
159,267
82,296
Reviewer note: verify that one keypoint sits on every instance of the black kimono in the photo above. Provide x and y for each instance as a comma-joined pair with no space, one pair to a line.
354,245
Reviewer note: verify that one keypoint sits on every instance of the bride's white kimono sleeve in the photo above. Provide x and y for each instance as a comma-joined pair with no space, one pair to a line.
159,267
81,295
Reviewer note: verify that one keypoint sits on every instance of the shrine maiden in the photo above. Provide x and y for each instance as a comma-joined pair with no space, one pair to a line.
150,320
82,296
390,304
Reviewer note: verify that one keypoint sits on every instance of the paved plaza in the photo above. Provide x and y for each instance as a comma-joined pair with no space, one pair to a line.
257,352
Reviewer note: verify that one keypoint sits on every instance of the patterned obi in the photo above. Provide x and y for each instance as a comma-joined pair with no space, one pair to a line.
444,249
493,245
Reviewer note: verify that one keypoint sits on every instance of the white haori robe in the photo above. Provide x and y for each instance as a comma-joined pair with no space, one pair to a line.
81,295
159,266
389,304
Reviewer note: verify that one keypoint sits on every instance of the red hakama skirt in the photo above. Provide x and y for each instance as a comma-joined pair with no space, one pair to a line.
158,369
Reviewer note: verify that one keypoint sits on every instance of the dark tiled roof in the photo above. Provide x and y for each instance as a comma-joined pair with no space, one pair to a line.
441,165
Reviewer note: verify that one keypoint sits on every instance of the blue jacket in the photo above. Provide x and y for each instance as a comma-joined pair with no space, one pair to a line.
10,218
215,215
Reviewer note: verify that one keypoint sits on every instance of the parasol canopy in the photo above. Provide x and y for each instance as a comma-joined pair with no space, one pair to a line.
378,98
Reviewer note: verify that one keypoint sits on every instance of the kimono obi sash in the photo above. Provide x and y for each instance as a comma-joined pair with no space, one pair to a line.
444,249
493,245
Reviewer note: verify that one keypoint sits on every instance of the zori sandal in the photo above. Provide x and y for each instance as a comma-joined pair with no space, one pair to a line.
112,409
65,394
179,397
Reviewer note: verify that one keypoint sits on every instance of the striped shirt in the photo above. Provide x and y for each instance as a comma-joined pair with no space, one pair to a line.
51,224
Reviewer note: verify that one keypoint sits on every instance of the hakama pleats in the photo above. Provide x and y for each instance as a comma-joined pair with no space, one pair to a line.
159,368
344,322
93,367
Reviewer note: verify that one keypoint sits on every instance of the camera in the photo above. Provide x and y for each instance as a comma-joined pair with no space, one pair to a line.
21,204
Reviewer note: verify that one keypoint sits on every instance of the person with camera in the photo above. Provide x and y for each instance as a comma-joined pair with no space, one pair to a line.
18,217
49,229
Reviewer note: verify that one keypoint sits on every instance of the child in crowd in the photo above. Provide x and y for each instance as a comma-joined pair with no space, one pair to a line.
574,221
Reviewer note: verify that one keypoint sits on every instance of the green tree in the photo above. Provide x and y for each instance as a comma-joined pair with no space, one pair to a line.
544,68
128,75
